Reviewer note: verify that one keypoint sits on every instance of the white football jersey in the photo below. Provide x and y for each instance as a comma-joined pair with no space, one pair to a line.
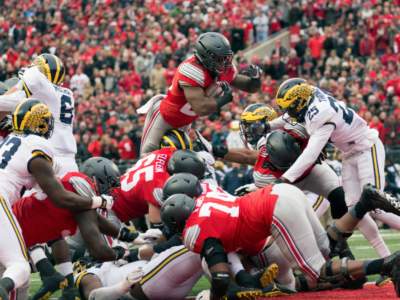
60,102
324,110
337,167
16,153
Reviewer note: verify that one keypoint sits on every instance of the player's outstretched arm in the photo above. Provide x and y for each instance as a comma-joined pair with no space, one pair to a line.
203,106
89,228
43,172
251,82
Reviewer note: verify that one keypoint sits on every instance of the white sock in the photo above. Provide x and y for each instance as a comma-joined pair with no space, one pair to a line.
37,255
234,265
387,218
254,271
65,268
370,231
110,293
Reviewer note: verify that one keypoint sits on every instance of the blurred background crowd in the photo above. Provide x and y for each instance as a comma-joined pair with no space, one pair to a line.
118,54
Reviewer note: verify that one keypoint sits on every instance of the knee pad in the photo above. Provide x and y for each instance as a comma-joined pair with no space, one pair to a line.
338,203
330,277
337,246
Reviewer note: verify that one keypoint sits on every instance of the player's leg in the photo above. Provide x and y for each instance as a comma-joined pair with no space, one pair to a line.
353,188
323,181
22,293
13,254
318,203
154,129
171,275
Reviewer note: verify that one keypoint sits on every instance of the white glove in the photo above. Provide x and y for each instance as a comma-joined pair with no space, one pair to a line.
245,189
133,277
21,73
208,158
204,295
151,235
121,262
207,145
140,240
104,202
56,166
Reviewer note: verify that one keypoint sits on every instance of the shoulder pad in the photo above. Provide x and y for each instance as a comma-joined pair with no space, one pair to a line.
82,186
298,129
191,73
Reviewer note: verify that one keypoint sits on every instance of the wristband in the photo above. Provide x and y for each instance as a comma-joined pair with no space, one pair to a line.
19,85
96,202
225,99
133,256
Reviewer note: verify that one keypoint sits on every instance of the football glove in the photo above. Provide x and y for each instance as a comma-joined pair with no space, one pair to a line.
245,189
136,238
133,277
151,235
214,150
120,248
56,166
21,72
104,202
6,124
227,88
255,73
204,295
321,157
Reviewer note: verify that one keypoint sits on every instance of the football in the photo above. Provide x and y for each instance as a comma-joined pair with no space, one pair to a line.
214,90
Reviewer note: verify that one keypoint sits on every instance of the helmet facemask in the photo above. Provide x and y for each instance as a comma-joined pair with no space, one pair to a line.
221,64
296,112
247,135
108,188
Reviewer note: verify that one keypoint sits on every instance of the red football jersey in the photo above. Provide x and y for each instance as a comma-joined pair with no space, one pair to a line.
41,221
174,108
238,222
264,170
141,184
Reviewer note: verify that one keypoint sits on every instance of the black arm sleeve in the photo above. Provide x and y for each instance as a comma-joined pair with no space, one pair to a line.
174,241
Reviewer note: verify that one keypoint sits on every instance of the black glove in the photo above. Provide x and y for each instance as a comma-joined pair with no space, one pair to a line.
205,145
6,124
133,256
120,252
255,73
226,97
321,157
125,235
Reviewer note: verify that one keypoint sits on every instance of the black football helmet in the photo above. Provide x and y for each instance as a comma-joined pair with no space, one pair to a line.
283,149
176,211
187,161
104,173
213,51
182,183
175,138
3,88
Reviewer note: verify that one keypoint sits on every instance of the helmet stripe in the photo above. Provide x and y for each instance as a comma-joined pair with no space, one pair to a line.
169,141
62,76
28,114
58,69
190,146
15,126
180,138
51,62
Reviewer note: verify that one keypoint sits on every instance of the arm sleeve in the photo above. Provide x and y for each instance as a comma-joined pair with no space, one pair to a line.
310,154
278,123
8,102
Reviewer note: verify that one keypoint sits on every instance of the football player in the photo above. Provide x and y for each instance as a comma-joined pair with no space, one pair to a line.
43,80
329,120
5,123
279,210
26,159
185,100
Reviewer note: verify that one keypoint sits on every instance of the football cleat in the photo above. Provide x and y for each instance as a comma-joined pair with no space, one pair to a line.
3,294
70,294
355,284
373,198
236,292
383,280
391,268
274,290
50,285
265,276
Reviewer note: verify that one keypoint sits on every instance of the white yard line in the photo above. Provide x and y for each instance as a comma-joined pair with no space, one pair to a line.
382,234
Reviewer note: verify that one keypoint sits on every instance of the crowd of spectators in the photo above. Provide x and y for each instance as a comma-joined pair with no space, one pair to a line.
118,54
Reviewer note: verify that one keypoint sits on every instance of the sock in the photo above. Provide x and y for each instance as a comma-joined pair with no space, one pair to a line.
370,231
110,293
37,254
65,268
45,268
7,284
76,254
357,211
234,264
371,267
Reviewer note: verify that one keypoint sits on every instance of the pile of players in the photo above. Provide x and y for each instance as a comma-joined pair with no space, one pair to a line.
247,245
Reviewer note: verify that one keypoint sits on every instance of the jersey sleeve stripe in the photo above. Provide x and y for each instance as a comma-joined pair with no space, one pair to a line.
79,279
192,73
191,236
27,90
82,187
158,196
36,154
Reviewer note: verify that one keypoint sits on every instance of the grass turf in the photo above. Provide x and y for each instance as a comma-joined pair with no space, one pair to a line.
359,245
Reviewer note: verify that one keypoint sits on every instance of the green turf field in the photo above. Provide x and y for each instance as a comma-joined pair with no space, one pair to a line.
360,247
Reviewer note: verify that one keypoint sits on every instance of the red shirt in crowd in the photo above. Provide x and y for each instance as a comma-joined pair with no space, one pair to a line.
316,44
169,75
95,148
126,149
